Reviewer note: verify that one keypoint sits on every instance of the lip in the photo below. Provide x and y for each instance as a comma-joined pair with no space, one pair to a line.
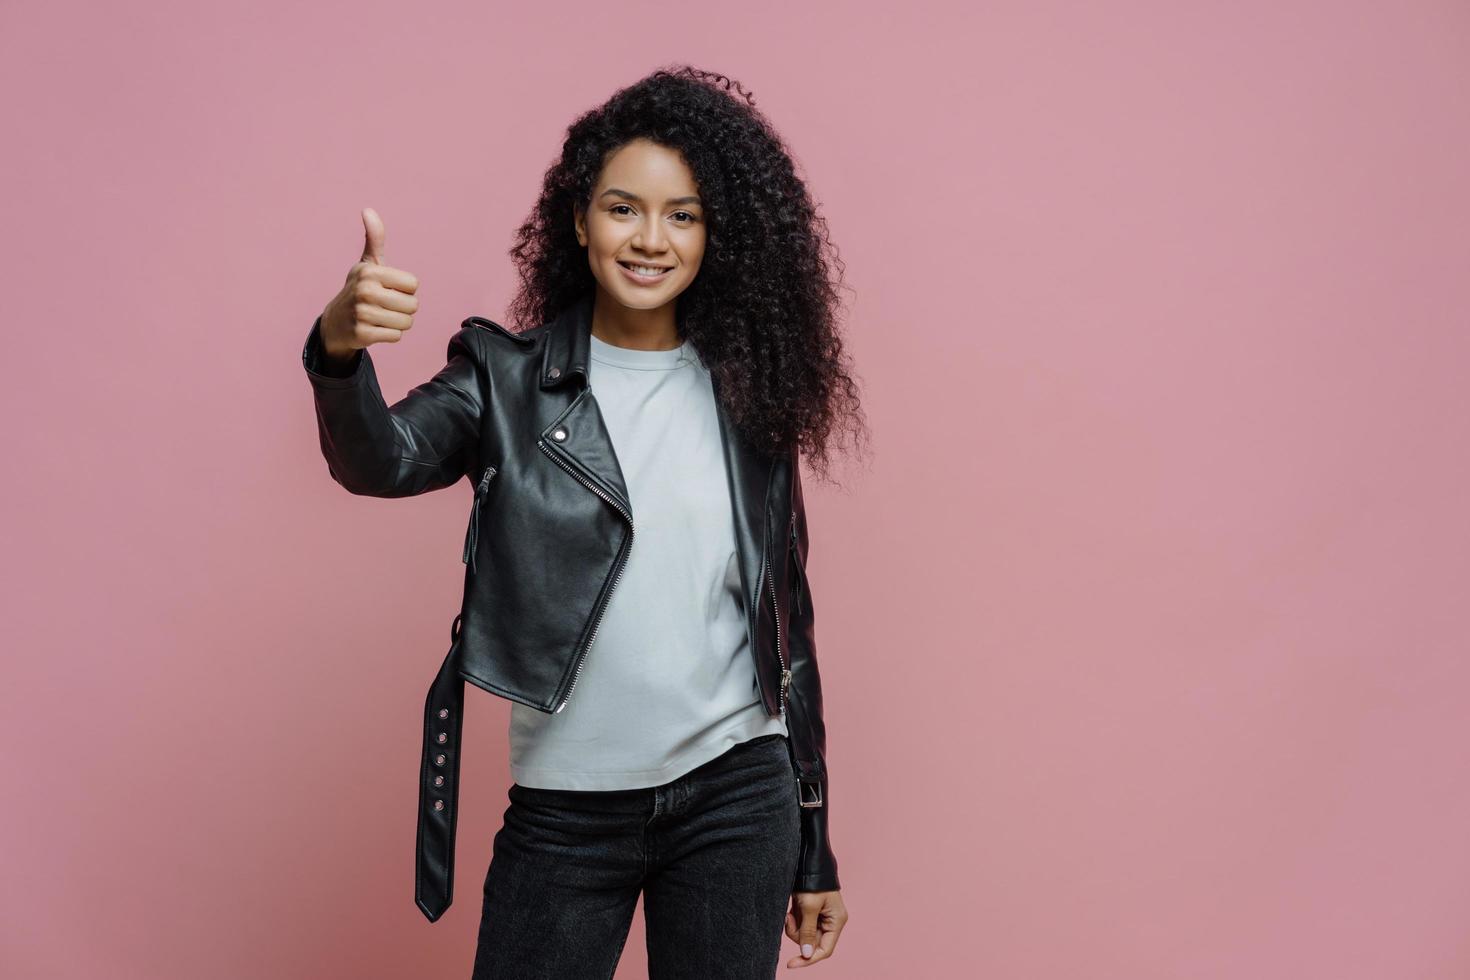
634,277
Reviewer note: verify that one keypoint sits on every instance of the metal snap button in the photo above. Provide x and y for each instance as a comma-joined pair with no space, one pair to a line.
438,780
554,373
443,738
559,435
443,712
438,804
439,759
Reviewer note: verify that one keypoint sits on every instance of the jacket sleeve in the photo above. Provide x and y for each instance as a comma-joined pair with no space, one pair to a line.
816,868
425,441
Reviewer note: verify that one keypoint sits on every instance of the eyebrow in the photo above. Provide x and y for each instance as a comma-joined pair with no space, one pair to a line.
634,197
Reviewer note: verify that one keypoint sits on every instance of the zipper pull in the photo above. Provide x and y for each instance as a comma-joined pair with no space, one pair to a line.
796,565
472,536
785,678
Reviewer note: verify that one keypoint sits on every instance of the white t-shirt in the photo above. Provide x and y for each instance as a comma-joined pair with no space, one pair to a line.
668,682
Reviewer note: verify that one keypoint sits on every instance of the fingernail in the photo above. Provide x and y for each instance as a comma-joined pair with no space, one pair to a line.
806,950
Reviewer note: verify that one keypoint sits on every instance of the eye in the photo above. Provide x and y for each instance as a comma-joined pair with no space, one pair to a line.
692,218
615,207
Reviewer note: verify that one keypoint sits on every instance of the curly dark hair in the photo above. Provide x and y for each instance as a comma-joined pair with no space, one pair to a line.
762,310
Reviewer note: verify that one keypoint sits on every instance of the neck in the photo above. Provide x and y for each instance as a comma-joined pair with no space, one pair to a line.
613,323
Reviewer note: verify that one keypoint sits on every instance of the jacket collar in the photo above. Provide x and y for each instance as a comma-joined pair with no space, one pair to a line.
568,342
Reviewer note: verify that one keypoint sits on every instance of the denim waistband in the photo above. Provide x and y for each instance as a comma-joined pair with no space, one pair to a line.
772,743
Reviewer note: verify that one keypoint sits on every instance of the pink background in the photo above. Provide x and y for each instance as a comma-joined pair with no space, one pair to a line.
1144,637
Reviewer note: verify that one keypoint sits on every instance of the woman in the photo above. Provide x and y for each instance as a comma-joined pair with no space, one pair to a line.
636,552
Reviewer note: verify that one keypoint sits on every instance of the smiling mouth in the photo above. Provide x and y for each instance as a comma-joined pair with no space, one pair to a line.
651,271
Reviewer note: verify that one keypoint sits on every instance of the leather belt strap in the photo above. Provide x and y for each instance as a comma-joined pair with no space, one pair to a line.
439,785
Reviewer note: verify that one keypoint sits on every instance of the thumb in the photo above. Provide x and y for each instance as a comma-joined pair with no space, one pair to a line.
372,248
808,931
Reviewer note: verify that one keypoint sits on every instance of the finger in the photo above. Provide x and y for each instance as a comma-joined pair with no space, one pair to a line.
388,299
791,933
818,955
368,335
823,949
827,945
807,934
373,237
391,278
832,922
369,315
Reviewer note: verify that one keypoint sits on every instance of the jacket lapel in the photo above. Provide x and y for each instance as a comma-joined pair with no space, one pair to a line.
578,436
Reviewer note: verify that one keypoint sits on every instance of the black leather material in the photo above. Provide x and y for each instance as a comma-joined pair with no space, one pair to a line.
433,880
549,530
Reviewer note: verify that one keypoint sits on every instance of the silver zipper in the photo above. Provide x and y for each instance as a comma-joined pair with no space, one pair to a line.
622,561
776,616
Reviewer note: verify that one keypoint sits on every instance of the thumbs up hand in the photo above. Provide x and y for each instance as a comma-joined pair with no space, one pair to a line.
375,305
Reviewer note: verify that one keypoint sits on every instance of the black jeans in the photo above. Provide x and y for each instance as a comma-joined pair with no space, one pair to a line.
713,853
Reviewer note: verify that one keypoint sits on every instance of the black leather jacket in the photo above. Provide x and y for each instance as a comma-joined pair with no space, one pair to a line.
549,530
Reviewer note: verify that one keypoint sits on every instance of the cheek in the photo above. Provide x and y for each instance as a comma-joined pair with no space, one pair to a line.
601,237
694,252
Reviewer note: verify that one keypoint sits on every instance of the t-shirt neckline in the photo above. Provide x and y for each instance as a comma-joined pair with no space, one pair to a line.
646,360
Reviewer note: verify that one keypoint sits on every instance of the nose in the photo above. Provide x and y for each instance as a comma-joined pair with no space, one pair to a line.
650,236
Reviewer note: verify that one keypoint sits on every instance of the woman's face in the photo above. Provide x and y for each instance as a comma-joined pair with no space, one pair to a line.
645,210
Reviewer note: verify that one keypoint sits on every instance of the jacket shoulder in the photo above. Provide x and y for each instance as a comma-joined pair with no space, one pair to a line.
525,339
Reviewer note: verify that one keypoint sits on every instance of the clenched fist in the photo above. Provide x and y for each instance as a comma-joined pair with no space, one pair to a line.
376,303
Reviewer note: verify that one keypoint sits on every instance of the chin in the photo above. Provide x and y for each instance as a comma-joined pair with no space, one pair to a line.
637,298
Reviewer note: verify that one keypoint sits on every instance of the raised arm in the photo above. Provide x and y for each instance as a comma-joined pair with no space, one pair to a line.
424,441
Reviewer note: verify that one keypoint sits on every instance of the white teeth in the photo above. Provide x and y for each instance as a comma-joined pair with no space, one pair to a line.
644,270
